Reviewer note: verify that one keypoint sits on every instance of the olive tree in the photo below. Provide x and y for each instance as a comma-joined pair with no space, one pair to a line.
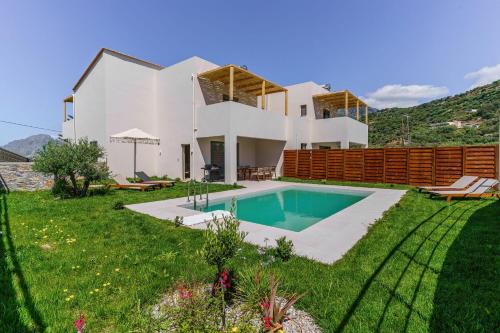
73,165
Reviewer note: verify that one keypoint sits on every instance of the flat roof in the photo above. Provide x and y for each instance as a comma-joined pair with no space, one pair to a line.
244,80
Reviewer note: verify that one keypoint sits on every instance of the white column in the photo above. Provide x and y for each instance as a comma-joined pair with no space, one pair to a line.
230,154
344,144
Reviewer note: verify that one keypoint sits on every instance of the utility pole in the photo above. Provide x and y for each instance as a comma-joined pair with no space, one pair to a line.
405,130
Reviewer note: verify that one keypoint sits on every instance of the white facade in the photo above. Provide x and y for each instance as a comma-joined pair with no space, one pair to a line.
118,93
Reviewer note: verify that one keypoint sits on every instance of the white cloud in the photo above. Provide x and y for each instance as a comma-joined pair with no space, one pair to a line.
398,95
484,76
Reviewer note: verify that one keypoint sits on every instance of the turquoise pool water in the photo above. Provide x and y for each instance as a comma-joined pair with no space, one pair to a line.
288,208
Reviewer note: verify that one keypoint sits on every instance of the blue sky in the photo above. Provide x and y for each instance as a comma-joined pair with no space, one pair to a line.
390,52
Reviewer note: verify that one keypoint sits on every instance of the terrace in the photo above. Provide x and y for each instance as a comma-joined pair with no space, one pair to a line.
238,117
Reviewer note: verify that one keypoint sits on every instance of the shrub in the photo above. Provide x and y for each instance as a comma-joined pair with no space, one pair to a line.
178,221
118,205
284,249
222,240
73,165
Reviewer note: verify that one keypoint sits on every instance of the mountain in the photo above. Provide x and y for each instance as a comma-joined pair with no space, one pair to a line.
29,146
467,118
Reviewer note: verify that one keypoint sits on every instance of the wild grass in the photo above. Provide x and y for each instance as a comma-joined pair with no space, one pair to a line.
426,266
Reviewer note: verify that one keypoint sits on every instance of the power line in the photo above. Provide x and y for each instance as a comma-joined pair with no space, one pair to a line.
18,124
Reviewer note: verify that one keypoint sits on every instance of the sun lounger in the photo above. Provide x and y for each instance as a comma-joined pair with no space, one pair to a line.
147,180
122,182
460,184
477,190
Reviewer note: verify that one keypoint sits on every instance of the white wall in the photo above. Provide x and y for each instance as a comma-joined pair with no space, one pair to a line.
130,103
89,103
175,115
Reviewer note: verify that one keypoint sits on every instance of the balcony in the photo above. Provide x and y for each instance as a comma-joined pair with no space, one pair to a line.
236,84
240,120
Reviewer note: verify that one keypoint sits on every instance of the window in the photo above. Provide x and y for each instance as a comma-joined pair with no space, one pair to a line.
324,147
326,113
303,146
303,110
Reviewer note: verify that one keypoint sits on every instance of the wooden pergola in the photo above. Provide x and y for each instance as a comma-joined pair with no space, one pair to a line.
245,81
343,99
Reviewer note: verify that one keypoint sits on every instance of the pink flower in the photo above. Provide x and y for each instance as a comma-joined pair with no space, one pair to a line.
80,323
267,321
184,293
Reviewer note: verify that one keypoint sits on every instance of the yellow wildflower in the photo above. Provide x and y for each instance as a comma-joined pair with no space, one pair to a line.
96,290
91,292
68,299
97,274
117,269
65,290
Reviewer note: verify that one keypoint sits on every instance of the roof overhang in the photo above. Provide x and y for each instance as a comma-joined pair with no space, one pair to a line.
338,99
117,54
68,99
243,80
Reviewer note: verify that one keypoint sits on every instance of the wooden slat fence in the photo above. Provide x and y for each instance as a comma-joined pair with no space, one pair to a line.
422,166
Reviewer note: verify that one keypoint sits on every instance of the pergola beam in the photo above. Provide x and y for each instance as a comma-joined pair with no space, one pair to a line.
263,95
231,83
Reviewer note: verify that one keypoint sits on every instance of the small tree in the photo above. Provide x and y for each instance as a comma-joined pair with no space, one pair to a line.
68,161
222,241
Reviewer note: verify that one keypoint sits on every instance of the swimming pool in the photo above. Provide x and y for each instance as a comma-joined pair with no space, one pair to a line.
291,208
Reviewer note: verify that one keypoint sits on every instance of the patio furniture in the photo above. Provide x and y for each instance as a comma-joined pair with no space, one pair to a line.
213,172
122,182
135,136
477,190
267,173
147,180
460,184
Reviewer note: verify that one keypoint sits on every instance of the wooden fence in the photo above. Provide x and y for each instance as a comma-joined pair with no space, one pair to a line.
426,166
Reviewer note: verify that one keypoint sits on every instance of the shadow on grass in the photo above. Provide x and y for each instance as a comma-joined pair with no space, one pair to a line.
10,270
474,232
468,288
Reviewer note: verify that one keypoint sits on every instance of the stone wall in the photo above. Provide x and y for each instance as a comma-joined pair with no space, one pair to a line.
213,92
19,176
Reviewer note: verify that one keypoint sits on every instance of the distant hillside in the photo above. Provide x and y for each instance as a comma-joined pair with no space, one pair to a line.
29,146
468,118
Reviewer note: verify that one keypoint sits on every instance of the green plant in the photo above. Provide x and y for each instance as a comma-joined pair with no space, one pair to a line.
273,312
177,179
118,205
284,249
73,165
178,221
222,240
193,309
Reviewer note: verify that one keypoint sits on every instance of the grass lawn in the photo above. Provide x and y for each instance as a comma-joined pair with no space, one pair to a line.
425,266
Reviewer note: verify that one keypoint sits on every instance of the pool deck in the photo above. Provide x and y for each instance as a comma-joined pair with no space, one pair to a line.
326,241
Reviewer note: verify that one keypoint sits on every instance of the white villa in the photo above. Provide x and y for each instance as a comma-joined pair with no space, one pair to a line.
205,114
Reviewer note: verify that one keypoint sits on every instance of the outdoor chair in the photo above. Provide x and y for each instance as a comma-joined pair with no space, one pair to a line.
122,182
460,184
147,180
479,189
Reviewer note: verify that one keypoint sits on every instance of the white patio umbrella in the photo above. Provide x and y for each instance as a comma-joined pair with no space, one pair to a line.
135,136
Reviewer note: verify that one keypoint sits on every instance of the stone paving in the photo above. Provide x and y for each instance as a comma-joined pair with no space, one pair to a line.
326,241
